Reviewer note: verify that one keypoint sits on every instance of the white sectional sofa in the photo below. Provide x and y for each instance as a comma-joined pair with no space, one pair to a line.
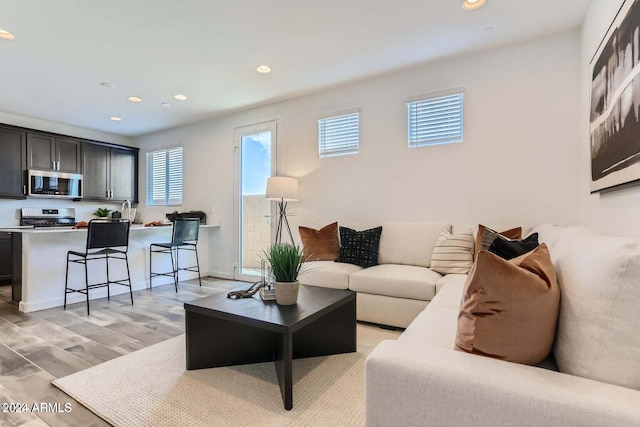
399,288
396,291
420,379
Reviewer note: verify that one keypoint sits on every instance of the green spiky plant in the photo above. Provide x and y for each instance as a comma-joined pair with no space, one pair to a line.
286,261
102,212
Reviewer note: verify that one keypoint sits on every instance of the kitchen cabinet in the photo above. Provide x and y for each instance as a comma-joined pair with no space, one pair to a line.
12,163
6,258
110,173
53,153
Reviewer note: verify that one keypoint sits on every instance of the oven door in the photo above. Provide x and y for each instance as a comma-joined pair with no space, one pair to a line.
54,184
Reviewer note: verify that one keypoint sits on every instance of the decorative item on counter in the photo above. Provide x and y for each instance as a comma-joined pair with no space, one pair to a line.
286,261
191,214
101,212
155,224
81,224
116,215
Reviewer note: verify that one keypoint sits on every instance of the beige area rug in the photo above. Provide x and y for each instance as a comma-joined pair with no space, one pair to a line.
151,387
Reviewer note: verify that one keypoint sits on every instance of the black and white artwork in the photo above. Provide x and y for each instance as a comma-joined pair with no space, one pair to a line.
615,102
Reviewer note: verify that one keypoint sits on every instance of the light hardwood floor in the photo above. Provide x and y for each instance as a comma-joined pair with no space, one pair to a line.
38,347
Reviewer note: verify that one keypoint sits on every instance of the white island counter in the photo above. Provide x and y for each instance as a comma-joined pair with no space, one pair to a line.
44,257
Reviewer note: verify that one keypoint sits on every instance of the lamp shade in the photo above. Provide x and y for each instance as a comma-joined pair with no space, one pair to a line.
282,188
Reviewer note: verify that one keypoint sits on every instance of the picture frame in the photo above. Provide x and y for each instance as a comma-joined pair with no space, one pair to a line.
614,121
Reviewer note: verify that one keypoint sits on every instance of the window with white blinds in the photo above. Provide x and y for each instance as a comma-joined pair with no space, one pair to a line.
436,120
339,135
164,177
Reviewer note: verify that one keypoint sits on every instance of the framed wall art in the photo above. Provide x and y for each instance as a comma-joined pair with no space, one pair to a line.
615,103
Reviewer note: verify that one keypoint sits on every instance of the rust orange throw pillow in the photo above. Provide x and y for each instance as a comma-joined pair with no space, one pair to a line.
509,308
320,245
486,236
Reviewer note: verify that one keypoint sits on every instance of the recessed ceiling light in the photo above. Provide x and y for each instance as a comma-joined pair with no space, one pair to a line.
472,4
4,34
107,85
180,97
165,104
116,118
134,99
263,69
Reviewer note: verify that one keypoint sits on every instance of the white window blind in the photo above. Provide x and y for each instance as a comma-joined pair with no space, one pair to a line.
164,177
436,120
339,135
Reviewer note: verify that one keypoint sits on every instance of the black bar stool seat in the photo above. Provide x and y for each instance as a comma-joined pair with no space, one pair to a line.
108,240
183,238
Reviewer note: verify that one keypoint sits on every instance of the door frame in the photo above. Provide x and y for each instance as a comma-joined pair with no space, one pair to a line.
238,133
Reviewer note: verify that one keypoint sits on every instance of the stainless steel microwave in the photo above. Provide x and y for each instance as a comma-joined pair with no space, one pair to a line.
54,184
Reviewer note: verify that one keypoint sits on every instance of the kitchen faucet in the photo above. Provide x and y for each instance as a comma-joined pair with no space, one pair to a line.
128,203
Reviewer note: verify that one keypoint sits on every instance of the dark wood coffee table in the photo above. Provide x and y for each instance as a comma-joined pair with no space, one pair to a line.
224,332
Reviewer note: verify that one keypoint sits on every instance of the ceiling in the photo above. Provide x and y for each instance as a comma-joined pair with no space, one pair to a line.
209,51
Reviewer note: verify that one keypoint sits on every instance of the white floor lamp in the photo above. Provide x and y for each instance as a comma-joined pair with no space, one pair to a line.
282,189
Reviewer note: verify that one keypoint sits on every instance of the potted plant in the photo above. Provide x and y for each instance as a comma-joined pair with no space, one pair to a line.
286,263
102,212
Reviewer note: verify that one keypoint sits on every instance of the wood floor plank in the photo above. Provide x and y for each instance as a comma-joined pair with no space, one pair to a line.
35,348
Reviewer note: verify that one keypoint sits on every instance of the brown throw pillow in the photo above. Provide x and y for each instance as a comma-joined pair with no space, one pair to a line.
486,236
509,308
320,245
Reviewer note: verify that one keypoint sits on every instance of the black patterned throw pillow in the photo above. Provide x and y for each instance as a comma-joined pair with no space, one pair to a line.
509,249
359,247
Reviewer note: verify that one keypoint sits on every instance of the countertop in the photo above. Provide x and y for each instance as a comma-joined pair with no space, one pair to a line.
31,230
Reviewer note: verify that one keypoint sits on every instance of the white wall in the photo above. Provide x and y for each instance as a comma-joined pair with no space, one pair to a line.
9,209
615,212
517,164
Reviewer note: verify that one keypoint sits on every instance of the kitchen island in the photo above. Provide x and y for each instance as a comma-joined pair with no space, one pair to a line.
43,255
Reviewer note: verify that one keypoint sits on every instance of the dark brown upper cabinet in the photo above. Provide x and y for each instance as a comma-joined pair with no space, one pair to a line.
13,148
110,173
53,153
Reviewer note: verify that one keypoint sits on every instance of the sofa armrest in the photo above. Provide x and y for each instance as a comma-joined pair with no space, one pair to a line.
416,386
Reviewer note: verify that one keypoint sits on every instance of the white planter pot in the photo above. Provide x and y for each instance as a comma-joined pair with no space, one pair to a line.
287,292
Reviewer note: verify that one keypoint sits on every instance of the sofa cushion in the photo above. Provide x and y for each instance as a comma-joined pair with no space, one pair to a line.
451,279
509,308
450,295
598,328
320,245
409,243
402,281
359,247
327,274
549,234
453,253
509,249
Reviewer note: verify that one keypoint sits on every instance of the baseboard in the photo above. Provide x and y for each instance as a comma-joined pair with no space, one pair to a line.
28,307
220,275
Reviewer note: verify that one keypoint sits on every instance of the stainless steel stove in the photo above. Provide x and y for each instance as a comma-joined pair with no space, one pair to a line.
48,217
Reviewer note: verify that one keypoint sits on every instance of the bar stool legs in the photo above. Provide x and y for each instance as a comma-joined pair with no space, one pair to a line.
174,253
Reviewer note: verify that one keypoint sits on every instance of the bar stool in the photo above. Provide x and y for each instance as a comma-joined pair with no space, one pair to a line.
183,238
106,239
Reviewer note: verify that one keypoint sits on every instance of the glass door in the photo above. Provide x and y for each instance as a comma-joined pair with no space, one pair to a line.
255,152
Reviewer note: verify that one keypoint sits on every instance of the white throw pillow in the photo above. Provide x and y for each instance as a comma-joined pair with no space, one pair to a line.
409,243
453,253
598,327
